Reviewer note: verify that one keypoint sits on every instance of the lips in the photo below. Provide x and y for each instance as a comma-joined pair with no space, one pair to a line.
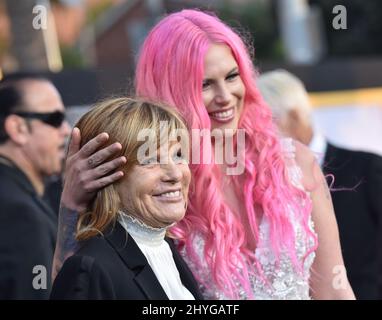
170,195
223,116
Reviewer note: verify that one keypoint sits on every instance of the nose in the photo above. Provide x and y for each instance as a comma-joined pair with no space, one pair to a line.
65,128
172,172
222,95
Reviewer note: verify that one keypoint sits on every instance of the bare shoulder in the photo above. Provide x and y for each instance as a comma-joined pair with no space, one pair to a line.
306,160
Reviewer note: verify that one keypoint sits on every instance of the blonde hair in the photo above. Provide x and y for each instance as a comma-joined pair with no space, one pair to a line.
123,119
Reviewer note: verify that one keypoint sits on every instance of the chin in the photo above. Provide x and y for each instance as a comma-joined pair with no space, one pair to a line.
176,217
227,134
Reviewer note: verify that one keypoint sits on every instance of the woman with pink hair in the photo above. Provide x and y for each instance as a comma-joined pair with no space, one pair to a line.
265,232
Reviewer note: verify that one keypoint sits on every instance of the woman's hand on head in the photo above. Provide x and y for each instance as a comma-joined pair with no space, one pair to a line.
88,170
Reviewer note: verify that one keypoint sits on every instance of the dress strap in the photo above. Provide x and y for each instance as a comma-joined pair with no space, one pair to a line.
288,147
294,171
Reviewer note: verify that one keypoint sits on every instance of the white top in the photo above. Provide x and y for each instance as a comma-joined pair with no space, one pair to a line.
284,282
158,254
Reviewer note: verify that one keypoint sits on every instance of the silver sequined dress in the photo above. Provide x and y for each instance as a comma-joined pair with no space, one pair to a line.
283,282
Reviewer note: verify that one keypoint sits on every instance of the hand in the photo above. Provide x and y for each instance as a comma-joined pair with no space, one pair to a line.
86,171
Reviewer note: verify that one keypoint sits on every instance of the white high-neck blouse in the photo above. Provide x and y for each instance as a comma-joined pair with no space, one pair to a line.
158,254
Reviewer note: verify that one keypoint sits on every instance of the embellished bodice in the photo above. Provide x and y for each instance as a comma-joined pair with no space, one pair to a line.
283,281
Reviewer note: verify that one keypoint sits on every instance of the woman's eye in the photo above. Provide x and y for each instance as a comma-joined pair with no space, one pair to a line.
179,157
232,76
206,84
149,161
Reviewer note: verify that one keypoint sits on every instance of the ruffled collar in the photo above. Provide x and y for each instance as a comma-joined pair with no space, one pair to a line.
142,232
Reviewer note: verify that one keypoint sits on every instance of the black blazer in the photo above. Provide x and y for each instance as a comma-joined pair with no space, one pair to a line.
28,229
113,267
359,216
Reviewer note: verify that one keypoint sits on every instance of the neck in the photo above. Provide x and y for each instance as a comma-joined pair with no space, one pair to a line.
142,232
21,161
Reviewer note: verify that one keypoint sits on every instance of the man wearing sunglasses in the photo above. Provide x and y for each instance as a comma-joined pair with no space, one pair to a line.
33,131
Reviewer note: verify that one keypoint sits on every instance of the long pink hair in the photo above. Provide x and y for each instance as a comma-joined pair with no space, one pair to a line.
170,69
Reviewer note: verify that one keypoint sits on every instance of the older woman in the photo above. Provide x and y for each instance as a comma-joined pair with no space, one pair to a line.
124,253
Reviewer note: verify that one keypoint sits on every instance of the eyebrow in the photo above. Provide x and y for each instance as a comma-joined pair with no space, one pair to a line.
234,70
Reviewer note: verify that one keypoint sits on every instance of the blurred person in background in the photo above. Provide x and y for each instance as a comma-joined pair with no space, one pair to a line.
357,181
33,132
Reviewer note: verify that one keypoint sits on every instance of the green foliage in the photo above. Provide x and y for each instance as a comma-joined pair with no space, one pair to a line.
72,57
94,13
260,22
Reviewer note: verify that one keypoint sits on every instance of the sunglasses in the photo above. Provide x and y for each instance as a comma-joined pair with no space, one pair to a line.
54,119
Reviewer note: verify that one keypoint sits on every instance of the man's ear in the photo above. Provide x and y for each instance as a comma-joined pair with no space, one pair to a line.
292,123
294,117
17,129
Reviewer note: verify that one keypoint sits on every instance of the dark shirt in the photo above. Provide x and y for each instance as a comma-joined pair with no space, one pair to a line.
357,200
28,229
